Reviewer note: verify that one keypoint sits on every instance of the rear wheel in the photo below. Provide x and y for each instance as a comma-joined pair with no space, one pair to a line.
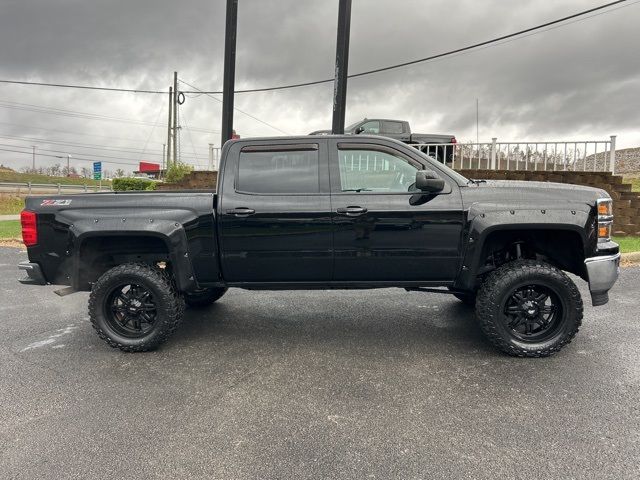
204,297
135,307
528,308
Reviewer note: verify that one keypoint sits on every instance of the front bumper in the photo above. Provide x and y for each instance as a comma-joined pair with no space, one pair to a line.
603,272
34,274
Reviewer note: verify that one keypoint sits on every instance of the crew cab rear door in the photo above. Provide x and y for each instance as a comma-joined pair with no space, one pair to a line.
275,213
384,229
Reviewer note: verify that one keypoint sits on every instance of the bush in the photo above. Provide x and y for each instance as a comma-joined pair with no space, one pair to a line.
177,171
127,184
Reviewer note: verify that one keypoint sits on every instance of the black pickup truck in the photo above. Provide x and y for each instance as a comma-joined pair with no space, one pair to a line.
440,147
330,212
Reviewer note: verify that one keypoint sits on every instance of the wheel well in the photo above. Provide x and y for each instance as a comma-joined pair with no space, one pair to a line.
561,248
99,254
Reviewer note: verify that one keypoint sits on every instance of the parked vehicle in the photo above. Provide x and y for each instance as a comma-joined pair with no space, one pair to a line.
330,212
401,130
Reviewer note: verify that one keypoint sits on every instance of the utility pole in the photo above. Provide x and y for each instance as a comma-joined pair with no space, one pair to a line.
477,122
169,127
228,84
164,150
175,117
342,65
68,165
33,162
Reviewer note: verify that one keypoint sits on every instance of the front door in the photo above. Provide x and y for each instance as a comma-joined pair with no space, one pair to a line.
384,229
275,207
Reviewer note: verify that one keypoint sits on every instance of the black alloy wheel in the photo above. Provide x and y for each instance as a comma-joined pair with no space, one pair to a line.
529,308
533,313
135,307
131,310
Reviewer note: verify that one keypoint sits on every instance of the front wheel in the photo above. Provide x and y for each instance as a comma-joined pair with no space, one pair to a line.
528,308
135,307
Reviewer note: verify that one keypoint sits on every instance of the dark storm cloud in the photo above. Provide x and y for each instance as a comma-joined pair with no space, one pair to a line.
581,80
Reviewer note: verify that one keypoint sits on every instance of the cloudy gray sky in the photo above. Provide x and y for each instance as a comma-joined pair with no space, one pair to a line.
580,81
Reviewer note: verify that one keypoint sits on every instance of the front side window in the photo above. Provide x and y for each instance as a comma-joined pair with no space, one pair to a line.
372,126
375,171
278,172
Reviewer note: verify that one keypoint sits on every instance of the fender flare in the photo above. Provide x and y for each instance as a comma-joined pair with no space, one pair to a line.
482,222
171,233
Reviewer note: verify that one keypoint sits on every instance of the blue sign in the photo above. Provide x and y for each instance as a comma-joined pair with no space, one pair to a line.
97,170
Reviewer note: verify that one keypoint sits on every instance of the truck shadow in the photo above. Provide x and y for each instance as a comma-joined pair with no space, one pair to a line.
343,320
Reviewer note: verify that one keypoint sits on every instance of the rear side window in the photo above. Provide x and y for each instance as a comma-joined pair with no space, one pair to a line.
392,127
286,171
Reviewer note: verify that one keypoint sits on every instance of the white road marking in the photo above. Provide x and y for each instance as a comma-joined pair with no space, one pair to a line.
51,339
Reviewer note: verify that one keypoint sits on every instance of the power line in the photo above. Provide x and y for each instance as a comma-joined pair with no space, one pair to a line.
83,87
436,56
361,74
82,134
134,151
73,154
235,108
77,114
60,156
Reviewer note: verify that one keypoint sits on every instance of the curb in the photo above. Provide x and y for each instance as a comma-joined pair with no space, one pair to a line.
631,257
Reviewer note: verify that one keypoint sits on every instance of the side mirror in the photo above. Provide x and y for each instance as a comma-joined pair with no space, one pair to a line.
359,130
429,181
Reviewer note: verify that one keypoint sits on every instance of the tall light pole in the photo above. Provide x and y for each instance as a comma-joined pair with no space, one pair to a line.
68,165
342,64
33,162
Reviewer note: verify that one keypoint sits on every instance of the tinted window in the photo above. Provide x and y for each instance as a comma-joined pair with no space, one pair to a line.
392,127
373,171
278,172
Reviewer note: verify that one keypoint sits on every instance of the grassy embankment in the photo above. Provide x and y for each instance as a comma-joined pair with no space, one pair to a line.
17,177
10,229
11,204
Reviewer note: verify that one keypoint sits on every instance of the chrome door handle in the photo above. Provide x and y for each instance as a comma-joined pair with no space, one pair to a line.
241,212
351,211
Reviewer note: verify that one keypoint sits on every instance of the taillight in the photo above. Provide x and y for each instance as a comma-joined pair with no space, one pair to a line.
29,228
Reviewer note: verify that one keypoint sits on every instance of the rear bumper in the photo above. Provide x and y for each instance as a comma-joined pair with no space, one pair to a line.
34,274
602,272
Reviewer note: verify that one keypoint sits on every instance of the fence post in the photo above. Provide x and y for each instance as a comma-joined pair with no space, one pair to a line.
612,155
29,186
85,187
58,189
493,153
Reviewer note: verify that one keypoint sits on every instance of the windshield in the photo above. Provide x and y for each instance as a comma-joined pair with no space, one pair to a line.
459,178
352,127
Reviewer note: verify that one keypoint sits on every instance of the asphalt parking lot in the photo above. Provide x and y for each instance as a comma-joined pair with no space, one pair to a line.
347,384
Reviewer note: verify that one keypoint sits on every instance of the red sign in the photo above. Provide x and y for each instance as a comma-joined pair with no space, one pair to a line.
148,167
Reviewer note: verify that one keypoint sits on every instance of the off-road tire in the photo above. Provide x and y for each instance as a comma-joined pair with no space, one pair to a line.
169,306
498,286
204,297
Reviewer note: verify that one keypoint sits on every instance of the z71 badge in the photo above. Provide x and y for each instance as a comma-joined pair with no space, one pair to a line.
55,203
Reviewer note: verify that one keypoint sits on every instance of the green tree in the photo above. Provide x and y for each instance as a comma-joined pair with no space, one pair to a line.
177,171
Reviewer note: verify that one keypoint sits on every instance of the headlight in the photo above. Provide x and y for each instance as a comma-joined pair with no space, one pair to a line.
605,218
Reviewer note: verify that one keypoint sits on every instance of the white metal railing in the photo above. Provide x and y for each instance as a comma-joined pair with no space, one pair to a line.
589,156
14,187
